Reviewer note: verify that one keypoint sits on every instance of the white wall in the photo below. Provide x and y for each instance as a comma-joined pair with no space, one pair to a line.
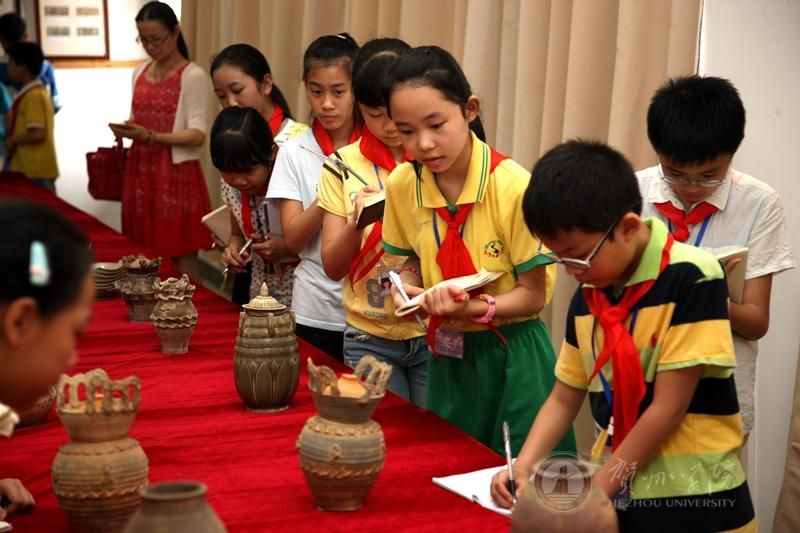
756,44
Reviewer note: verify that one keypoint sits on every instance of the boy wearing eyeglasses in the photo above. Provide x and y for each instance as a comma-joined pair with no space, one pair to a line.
695,124
648,338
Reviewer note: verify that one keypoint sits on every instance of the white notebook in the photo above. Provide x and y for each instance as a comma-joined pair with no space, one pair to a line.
474,486
466,283
736,278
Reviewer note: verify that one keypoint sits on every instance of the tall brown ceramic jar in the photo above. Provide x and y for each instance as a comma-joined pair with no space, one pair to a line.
175,507
98,474
266,360
136,286
341,449
174,315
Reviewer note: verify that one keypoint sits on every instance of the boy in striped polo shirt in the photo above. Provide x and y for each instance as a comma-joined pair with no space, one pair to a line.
648,337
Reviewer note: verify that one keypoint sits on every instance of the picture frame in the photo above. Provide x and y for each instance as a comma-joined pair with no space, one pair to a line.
73,29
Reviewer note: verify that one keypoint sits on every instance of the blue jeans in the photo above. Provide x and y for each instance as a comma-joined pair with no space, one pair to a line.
409,360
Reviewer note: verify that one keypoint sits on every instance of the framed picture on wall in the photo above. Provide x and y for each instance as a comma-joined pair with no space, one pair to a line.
73,29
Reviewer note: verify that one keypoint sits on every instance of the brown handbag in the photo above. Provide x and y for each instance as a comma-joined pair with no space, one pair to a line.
106,167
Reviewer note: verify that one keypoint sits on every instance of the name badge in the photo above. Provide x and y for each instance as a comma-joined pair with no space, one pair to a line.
449,343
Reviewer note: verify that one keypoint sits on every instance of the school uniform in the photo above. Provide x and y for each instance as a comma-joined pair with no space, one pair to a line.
695,481
749,213
372,327
33,109
495,380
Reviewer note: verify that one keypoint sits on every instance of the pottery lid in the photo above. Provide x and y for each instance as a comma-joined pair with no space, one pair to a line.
264,302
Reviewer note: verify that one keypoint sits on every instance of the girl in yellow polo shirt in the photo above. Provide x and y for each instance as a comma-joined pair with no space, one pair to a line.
458,209
355,255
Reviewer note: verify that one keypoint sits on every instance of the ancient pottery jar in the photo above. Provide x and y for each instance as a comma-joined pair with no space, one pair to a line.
266,360
176,507
38,411
137,286
174,315
98,474
341,449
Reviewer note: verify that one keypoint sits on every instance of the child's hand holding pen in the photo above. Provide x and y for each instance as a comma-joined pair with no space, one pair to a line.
236,255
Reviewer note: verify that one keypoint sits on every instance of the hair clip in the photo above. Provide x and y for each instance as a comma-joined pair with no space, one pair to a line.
39,268
341,36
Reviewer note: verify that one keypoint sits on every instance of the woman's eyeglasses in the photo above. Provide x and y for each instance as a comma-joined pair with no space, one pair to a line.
152,41
583,264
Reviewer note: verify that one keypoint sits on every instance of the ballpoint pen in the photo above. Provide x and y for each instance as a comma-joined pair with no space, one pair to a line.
341,165
507,445
246,246
397,282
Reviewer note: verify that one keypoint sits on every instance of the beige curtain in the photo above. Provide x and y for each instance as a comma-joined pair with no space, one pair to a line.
545,70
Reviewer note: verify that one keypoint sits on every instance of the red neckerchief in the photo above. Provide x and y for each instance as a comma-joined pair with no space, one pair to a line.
618,345
247,212
324,139
682,220
378,153
12,114
276,119
453,257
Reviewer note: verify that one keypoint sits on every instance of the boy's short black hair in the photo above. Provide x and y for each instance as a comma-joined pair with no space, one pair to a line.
12,28
27,54
694,119
580,185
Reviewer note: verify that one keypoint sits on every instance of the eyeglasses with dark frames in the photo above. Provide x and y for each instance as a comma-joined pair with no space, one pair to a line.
583,264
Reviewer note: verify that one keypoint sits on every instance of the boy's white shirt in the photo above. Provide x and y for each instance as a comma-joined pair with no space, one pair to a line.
750,214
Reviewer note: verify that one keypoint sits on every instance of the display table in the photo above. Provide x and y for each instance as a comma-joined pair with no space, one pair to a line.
192,425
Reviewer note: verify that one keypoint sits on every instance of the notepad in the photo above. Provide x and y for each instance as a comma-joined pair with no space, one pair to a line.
474,486
736,278
5,526
371,210
218,222
466,283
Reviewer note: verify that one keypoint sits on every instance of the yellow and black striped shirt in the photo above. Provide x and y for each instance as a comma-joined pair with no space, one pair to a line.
681,322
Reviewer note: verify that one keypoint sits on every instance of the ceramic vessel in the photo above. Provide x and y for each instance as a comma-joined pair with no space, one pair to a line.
38,411
341,449
174,315
266,360
175,507
98,474
136,286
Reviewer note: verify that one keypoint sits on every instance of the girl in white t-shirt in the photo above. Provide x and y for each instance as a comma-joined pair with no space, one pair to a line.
316,299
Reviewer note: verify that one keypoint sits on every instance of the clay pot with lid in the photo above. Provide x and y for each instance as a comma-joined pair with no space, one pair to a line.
98,474
176,507
136,286
341,449
266,360
174,314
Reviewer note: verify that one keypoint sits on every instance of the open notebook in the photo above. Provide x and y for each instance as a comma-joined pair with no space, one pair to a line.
467,283
474,486
736,278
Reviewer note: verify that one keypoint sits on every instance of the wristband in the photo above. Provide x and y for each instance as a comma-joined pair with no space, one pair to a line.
150,137
410,269
487,317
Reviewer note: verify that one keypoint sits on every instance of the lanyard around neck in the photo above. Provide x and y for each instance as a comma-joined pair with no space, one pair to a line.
701,233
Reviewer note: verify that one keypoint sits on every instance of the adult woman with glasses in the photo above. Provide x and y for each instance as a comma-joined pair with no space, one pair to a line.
164,185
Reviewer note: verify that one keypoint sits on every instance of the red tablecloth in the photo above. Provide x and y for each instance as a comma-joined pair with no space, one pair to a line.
192,425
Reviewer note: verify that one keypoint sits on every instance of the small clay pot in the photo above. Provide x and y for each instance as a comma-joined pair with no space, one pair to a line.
176,507
341,449
174,315
137,286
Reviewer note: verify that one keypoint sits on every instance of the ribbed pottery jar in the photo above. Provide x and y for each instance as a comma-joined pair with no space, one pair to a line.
175,507
98,474
266,360
341,449
174,314
136,286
